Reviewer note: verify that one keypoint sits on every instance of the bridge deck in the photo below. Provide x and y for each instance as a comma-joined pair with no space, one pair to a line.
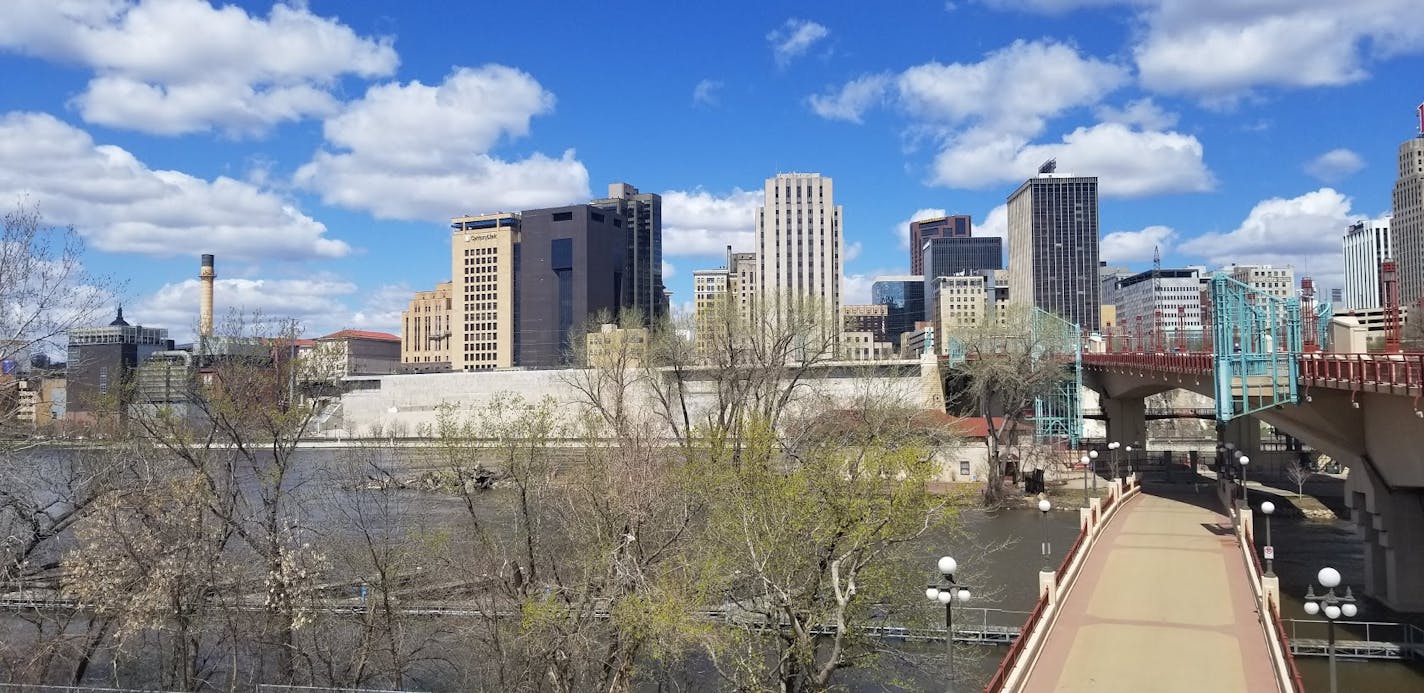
1163,603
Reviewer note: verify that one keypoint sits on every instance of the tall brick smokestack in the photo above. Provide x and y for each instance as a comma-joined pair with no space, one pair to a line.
205,312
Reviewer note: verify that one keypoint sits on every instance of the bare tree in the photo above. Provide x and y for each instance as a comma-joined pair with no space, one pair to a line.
1299,473
1009,363
44,291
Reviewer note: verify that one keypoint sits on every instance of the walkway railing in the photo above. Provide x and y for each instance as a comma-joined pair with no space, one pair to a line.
1054,586
1160,362
1267,590
1391,373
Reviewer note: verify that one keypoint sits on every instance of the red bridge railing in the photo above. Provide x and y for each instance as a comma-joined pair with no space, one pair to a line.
1169,362
1391,372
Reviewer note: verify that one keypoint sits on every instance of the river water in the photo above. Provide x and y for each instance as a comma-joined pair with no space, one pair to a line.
999,555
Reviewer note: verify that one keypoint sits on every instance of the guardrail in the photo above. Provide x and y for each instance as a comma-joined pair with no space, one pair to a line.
1392,373
1267,591
1166,362
1092,519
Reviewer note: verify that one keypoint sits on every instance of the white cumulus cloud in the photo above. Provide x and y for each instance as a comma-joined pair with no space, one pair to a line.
1127,162
700,223
121,205
414,151
1121,247
1303,231
852,100
792,39
170,67
986,116
1335,165
1012,90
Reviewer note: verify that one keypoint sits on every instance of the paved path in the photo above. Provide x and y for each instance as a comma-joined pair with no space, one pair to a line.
1163,603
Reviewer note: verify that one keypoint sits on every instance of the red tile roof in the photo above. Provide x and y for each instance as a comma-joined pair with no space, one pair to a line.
361,334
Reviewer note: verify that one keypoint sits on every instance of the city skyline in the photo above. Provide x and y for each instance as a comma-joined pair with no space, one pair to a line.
324,182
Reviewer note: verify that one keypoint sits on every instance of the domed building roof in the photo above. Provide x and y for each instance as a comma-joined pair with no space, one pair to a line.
119,320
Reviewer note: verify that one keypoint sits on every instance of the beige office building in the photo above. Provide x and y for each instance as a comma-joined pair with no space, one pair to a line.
483,336
710,299
799,247
963,304
426,330
1279,282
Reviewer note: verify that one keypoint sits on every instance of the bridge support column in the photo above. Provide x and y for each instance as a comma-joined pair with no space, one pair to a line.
1126,419
1245,433
1391,523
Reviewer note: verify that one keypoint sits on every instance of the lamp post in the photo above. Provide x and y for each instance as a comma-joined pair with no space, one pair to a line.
1085,460
1043,507
1267,509
1129,460
947,592
1334,607
1243,460
1093,467
1112,447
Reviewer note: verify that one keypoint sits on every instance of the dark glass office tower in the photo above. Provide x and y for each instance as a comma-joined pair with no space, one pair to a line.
571,264
1053,246
957,226
904,301
642,216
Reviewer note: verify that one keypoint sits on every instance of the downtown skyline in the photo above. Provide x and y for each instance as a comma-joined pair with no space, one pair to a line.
324,180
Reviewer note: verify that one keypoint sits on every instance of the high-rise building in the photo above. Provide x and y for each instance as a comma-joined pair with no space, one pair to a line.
956,226
1366,245
957,256
741,281
1279,282
1160,302
1407,226
799,239
482,324
642,220
570,267
1053,240
426,329
904,301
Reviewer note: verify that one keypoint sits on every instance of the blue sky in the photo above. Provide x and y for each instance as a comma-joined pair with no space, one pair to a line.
318,148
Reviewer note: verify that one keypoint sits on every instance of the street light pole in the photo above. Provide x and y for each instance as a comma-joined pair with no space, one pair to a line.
1244,460
1043,507
946,592
1085,460
1266,509
1093,462
1334,607
1113,446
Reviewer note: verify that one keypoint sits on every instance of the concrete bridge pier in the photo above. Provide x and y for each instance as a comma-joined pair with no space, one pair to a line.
1391,524
1244,433
1126,419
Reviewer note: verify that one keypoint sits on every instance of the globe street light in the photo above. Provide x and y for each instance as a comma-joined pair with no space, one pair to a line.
1113,446
1267,509
947,592
1129,461
1243,460
1334,607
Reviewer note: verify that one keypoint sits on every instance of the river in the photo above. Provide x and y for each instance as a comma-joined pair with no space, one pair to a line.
999,555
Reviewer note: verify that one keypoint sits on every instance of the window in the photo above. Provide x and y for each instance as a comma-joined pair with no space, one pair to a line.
564,216
964,467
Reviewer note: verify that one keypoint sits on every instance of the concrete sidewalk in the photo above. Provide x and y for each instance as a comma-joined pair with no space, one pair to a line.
1164,603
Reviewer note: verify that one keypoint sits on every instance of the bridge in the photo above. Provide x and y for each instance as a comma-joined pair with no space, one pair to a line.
1265,359
1160,592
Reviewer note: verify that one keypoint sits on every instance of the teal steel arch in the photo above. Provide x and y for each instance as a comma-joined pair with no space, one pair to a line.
1257,344
1059,414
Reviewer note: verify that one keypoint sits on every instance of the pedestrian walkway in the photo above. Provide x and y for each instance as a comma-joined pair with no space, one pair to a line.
1163,603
